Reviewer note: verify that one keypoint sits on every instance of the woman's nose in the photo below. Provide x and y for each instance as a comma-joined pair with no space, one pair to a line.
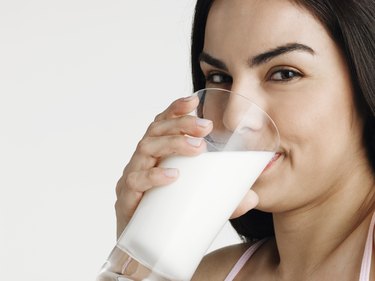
242,116
239,124
247,124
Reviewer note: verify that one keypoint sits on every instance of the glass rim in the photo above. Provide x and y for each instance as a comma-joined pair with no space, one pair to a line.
196,93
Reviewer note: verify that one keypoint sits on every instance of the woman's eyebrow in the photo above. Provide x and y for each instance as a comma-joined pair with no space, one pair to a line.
204,57
287,48
258,59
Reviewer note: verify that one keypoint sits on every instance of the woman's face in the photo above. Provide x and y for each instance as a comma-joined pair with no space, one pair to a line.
277,54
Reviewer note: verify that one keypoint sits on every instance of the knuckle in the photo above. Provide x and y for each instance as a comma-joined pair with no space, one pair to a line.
158,117
178,106
118,207
142,146
152,127
153,174
131,180
119,187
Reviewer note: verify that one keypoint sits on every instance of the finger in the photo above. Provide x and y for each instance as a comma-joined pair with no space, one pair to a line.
250,201
130,189
125,207
179,107
150,150
164,146
141,181
187,124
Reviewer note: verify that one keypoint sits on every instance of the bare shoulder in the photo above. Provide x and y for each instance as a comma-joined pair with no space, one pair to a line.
217,264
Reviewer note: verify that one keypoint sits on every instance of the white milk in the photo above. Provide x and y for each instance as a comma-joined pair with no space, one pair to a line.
174,225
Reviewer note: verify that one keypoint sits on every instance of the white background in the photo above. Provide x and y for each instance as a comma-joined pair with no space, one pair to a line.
80,80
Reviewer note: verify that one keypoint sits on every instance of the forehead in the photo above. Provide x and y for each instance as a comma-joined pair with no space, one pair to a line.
255,25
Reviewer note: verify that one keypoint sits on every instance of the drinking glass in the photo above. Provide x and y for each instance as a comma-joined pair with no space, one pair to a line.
174,225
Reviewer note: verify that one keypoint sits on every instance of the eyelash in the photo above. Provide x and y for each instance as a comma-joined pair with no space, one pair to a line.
225,79
282,71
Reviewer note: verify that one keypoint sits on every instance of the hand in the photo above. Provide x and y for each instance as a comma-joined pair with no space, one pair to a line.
172,132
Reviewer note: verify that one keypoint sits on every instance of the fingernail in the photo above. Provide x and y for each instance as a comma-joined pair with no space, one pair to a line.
170,173
203,122
194,141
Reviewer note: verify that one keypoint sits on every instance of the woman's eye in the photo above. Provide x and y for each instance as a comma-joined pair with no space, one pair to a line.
284,75
218,78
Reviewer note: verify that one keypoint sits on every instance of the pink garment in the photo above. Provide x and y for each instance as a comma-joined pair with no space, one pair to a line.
365,267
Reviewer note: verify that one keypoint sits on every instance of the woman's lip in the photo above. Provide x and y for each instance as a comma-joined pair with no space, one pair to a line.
273,160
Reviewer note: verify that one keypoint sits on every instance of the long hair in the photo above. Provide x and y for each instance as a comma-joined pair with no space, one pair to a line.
351,24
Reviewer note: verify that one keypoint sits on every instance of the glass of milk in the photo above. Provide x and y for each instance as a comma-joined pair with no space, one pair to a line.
174,225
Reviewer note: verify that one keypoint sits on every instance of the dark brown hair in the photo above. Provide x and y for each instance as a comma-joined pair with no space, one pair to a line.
351,24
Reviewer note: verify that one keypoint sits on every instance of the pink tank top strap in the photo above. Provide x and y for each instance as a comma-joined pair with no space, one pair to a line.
243,259
367,254
365,266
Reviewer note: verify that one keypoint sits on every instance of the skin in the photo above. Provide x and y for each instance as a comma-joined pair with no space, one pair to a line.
320,187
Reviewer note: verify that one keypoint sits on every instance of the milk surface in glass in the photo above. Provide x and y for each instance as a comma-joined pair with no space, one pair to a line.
174,225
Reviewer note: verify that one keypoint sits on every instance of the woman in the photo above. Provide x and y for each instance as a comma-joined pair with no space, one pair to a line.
310,65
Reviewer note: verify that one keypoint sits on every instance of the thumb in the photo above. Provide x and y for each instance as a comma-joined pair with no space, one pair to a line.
250,201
